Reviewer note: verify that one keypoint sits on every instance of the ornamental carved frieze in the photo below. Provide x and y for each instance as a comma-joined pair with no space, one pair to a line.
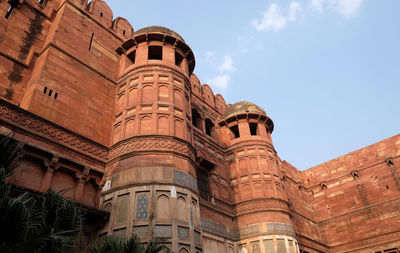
151,143
261,205
52,132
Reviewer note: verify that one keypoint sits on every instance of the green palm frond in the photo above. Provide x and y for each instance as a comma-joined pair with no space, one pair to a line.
10,153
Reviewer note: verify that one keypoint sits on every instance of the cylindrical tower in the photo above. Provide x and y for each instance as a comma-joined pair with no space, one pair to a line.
151,188
260,201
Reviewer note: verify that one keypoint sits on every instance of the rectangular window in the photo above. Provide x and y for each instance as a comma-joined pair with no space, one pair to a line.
202,182
178,59
235,131
155,53
132,56
253,128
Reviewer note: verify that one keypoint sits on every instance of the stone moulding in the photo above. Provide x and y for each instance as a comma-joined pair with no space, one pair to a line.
24,120
152,143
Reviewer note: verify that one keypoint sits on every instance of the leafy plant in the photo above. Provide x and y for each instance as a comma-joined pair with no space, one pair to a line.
34,223
116,244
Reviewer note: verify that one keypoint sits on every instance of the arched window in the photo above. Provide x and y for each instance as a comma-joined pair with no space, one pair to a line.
196,118
209,126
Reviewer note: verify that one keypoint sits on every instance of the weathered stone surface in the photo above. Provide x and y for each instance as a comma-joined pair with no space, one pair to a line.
95,104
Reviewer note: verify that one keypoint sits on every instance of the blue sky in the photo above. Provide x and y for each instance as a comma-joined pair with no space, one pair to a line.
326,71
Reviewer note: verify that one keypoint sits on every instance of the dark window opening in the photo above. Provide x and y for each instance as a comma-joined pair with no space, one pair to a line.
196,118
253,128
387,187
50,93
91,41
55,95
235,131
45,90
13,4
132,56
209,126
202,183
123,32
101,14
178,59
155,53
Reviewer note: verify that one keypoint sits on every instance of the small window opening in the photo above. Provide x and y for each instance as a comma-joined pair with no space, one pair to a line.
101,14
235,131
387,187
253,128
123,32
45,90
132,56
91,41
155,53
50,93
178,59
13,4
55,95
196,118
202,182
209,126
323,186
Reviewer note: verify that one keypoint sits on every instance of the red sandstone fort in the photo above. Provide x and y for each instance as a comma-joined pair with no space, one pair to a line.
116,120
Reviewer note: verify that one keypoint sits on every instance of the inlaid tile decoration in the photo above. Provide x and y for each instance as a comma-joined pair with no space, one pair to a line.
183,233
142,207
163,231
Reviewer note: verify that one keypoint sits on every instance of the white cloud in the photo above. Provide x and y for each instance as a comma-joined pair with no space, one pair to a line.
294,9
227,64
271,20
347,8
220,81
317,5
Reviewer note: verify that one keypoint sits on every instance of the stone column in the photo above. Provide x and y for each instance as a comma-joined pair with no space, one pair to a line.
80,184
51,167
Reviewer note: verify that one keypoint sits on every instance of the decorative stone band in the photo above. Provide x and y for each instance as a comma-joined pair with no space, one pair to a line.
29,122
280,229
148,176
258,205
185,179
152,143
218,229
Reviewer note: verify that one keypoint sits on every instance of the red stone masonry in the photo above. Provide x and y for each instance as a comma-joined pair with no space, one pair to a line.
116,120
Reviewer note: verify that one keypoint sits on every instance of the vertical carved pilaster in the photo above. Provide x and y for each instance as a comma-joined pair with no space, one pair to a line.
51,167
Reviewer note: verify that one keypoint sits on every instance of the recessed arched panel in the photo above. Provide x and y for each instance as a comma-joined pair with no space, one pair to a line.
163,93
145,125
182,210
89,194
117,134
163,210
163,125
133,97
179,131
232,168
120,103
29,174
130,128
178,98
63,183
148,94
183,250
242,167
253,163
